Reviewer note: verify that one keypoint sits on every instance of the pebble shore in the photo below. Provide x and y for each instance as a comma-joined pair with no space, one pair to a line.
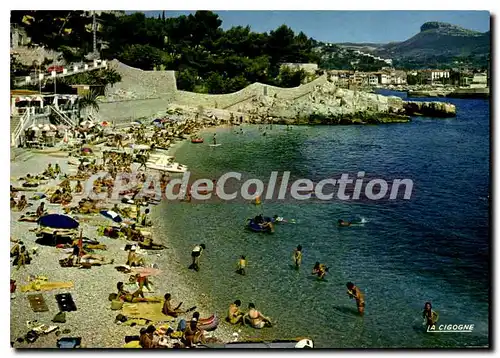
94,320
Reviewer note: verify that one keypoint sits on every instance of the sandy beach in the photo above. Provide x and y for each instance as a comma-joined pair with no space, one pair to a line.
93,320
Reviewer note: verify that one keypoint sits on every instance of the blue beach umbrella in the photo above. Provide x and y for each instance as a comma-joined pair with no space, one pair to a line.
111,215
58,221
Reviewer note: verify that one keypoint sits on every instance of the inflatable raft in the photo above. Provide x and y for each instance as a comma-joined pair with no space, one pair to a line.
252,225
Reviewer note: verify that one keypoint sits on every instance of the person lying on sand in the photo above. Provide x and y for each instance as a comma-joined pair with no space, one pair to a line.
13,203
128,296
256,319
234,314
173,312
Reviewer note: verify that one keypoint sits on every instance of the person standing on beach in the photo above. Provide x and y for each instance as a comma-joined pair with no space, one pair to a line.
195,255
355,292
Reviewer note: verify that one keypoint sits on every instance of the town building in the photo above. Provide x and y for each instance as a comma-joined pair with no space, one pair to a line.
431,76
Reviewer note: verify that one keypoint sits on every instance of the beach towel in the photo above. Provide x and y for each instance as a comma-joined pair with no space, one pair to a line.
132,344
39,285
146,271
146,310
65,302
37,303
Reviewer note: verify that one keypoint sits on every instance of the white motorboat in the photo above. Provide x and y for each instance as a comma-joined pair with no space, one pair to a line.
168,167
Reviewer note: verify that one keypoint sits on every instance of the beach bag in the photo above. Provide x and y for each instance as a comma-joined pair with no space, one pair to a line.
59,318
116,305
121,318
182,325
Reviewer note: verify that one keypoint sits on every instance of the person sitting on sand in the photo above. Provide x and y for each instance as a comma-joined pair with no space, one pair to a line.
40,211
242,264
173,312
133,260
66,197
234,314
49,171
320,270
56,198
13,203
78,187
22,203
14,251
355,292
195,255
193,334
57,169
255,318
146,339
297,256
126,295
23,258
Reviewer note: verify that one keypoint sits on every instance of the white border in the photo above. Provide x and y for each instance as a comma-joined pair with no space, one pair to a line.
213,5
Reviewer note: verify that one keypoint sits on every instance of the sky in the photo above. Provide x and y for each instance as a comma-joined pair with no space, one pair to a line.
347,26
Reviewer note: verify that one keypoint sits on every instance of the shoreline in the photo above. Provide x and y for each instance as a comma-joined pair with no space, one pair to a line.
94,320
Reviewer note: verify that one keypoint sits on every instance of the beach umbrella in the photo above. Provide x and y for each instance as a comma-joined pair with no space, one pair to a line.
111,215
58,221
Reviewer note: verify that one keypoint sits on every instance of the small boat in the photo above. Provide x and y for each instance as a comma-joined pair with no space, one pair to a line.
170,167
196,140
252,225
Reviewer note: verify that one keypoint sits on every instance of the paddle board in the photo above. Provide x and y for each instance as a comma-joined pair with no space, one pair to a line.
214,145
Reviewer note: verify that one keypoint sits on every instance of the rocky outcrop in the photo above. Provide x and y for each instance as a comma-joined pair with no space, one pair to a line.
328,104
430,109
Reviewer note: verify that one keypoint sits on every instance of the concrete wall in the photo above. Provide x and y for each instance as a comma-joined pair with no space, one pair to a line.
144,93
256,89
126,111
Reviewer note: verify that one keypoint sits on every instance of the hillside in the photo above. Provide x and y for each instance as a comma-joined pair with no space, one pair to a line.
437,44
442,43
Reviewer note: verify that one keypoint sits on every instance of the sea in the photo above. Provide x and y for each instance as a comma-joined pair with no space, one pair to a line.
432,247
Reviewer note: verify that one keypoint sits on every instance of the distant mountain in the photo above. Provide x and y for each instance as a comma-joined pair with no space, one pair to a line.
437,44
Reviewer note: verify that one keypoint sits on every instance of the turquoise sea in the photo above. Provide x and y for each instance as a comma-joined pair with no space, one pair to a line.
434,247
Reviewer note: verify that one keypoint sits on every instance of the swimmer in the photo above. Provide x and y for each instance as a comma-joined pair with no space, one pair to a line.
320,270
355,292
297,256
242,263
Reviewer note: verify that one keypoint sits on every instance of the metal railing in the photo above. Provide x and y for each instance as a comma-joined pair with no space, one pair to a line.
24,121
32,78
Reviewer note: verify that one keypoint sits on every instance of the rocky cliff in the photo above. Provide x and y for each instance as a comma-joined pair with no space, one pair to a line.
329,104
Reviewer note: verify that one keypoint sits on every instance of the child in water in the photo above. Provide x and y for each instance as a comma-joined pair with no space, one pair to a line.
242,264
297,256
320,270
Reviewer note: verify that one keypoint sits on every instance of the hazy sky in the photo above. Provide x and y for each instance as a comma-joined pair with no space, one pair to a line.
348,26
